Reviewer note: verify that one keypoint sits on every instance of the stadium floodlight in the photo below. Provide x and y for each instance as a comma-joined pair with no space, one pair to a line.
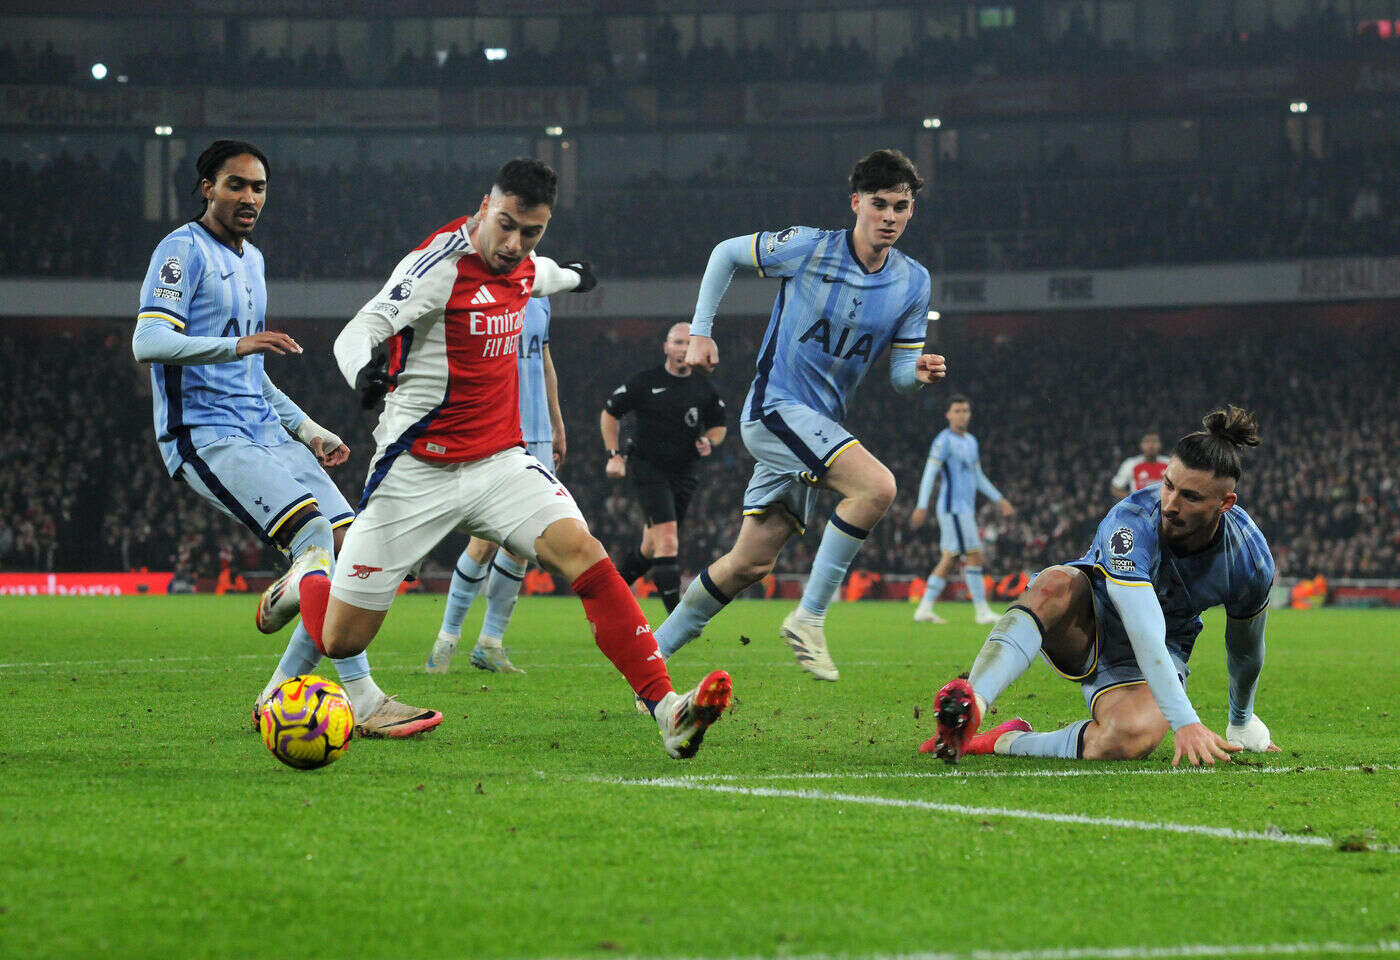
1298,106
553,131
495,53
122,78
99,71
164,130
934,315
932,123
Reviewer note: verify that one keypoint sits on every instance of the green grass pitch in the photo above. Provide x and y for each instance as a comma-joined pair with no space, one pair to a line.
140,816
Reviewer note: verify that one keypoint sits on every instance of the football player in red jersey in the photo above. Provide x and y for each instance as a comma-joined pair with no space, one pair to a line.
1143,470
438,345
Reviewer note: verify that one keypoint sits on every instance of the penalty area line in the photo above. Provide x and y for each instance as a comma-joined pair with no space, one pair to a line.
964,810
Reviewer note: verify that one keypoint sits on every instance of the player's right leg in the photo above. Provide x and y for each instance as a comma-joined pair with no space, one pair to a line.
468,576
1054,616
502,591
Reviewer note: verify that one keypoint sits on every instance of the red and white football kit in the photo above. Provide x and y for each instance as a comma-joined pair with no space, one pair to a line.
449,449
1138,472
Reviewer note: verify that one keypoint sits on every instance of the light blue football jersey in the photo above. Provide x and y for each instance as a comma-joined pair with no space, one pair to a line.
206,289
1235,570
534,400
960,472
831,319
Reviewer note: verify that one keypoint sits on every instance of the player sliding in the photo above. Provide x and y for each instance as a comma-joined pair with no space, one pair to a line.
1122,621
845,296
440,340
224,429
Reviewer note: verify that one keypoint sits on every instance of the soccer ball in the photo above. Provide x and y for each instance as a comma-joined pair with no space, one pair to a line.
307,722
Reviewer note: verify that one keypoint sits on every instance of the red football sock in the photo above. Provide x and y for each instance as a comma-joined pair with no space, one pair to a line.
315,596
621,630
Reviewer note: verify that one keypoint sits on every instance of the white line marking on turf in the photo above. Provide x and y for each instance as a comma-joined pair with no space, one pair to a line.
994,774
1325,948
959,809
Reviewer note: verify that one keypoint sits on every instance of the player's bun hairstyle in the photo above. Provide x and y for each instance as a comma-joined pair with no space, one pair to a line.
218,152
885,170
533,181
1217,447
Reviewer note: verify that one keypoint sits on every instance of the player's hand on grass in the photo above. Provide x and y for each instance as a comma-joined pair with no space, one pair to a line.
1252,736
928,368
616,468
330,450
918,518
1199,744
269,341
703,352
584,269
372,382
703,447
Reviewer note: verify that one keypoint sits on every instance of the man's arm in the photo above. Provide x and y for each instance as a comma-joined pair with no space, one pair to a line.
288,412
1141,613
933,468
990,490
157,341
725,259
329,449
552,278
556,415
1244,659
609,426
705,443
1122,478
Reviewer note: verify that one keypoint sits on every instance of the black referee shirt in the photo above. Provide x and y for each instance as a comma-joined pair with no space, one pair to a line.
671,413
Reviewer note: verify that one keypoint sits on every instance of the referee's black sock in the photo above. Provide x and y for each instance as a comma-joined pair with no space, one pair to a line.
634,565
667,576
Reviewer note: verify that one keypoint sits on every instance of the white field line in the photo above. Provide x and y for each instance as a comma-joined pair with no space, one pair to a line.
996,774
21,666
1322,948
959,809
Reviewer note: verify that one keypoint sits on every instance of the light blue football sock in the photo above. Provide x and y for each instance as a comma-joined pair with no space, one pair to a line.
976,586
301,655
1009,651
699,605
467,579
841,541
502,590
933,588
1066,743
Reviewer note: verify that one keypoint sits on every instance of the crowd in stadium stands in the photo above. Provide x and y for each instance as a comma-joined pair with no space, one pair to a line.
82,486
585,57
89,212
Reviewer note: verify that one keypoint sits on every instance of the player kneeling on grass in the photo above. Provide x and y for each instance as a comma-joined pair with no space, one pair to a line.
1122,621
438,345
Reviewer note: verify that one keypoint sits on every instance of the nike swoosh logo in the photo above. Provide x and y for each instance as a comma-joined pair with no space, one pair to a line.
658,389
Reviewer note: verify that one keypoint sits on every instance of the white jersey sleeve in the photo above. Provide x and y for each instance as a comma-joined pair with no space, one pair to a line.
1124,477
418,288
550,278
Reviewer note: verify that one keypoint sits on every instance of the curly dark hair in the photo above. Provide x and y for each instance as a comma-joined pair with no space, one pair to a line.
885,170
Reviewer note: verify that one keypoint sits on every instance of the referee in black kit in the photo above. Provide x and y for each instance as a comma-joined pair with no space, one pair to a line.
680,418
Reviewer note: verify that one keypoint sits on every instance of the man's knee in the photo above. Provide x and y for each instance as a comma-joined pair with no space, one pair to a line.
665,539
1054,593
881,488
753,569
567,548
1126,737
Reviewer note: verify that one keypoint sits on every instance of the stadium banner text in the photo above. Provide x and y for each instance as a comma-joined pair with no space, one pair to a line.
83,584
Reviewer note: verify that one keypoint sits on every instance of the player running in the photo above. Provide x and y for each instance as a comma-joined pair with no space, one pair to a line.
844,297
680,420
542,425
224,429
440,341
1146,468
1122,621
953,458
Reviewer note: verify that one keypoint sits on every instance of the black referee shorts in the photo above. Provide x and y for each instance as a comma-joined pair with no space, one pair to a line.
664,494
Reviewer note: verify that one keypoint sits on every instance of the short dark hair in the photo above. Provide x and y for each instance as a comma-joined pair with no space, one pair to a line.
885,170
533,181
958,398
1217,447
218,153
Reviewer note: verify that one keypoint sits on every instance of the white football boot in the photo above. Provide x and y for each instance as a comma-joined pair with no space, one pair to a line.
440,660
924,614
684,718
808,643
281,601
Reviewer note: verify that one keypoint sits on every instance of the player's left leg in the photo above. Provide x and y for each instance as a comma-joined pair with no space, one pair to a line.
867,489
502,592
937,580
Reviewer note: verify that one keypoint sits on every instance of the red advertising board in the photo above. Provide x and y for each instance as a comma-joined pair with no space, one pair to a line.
82,584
